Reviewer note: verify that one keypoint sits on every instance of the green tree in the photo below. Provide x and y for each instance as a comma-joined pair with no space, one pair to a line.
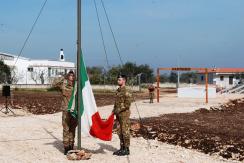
164,78
5,74
96,75
172,77
112,74
132,71
147,71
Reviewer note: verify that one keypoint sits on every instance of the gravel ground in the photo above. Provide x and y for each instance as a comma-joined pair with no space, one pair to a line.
38,138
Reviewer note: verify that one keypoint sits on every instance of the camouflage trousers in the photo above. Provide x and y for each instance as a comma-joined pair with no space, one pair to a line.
151,96
69,124
123,129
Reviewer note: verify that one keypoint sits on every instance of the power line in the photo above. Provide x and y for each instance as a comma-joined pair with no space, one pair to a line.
119,54
31,30
117,48
110,27
116,45
101,33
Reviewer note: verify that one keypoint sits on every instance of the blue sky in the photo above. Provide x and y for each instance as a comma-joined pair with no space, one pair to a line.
198,33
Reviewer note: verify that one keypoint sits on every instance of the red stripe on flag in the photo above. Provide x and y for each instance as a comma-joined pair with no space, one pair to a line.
102,129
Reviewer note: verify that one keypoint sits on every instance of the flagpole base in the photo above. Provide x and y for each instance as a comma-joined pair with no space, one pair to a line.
78,155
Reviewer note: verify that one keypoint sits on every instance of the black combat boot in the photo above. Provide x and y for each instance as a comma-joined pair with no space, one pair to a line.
124,152
66,150
119,151
71,147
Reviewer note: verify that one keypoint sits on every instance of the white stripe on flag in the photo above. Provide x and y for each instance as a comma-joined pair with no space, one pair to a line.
90,108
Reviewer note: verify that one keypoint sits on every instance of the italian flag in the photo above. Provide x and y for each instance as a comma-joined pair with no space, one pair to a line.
91,122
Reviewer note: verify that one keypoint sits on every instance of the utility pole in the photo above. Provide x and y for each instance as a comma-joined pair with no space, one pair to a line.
178,73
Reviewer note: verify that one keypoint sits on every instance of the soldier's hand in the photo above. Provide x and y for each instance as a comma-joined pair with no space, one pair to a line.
112,112
115,111
58,82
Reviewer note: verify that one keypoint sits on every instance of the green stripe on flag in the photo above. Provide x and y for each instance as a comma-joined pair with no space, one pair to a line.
83,75
73,111
84,78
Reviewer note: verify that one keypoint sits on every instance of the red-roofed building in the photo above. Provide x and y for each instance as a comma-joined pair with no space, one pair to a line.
223,77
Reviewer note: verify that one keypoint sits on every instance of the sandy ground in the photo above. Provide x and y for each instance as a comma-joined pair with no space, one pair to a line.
171,104
38,138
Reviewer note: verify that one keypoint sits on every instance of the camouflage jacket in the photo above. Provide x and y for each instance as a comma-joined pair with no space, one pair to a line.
123,100
66,90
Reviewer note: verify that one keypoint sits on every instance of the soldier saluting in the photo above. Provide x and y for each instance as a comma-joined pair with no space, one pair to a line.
122,112
151,89
68,121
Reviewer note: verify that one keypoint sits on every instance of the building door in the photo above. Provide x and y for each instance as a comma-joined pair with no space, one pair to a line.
231,80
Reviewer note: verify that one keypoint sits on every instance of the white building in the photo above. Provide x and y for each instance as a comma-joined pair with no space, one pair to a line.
223,77
30,71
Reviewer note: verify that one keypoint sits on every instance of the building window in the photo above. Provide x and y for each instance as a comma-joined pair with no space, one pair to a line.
202,78
231,80
30,69
221,78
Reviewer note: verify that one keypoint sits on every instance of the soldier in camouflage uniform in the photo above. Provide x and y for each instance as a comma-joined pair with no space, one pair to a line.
151,89
68,121
122,112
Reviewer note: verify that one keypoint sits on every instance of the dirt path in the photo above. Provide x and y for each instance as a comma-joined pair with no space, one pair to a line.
38,138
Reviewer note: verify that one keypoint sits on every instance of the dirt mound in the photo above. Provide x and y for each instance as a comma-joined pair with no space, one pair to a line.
216,131
50,102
